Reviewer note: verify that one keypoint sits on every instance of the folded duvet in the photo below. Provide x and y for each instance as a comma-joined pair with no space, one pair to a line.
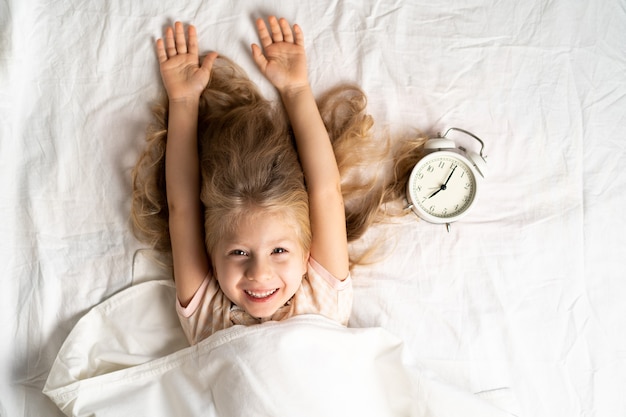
129,357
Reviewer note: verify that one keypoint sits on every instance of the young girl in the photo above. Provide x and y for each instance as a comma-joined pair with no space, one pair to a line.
257,230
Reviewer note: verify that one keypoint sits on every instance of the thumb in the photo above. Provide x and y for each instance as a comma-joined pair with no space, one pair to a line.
258,57
207,62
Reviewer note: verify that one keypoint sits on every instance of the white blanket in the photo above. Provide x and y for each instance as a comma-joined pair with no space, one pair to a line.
127,356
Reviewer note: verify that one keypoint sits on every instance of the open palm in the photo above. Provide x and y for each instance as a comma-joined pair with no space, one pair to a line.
283,60
182,74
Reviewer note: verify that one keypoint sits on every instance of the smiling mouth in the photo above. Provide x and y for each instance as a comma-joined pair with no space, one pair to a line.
261,295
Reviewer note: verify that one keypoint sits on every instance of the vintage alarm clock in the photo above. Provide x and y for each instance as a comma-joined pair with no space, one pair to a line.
443,185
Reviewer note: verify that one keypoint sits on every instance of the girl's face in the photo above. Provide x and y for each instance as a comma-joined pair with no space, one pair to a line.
261,264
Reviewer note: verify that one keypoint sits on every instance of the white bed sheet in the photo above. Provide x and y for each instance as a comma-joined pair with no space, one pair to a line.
527,292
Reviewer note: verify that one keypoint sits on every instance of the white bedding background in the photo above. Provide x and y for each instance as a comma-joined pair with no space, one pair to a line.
526,293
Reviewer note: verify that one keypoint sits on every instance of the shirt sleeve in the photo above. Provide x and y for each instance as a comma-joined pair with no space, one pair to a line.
324,294
193,305
206,313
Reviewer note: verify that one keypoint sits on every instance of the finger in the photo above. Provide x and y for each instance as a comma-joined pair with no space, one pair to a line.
193,40
160,50
259,58
264,36
179,33
277,33
207,62
170,46
286,29
299,35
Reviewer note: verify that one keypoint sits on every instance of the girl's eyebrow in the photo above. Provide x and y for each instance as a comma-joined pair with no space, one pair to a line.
274,242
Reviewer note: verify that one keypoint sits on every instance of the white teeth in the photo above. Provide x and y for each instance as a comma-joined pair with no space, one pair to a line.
260,294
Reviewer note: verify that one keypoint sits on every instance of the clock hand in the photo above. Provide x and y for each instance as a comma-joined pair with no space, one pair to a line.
450,176
444,185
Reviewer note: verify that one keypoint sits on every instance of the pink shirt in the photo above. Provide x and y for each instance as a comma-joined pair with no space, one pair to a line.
320,293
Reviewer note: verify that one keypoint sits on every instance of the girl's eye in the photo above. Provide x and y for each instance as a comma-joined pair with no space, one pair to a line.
238,252
279,250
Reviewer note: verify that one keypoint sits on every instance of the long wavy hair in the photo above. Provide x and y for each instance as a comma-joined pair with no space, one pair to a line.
248,162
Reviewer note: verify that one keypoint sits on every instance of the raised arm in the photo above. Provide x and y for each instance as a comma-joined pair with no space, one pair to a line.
283,62
184,79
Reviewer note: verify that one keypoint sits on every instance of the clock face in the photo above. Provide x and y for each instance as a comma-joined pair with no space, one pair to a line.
441,187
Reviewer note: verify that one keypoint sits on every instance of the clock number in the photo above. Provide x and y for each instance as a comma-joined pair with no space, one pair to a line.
430,168
467,186
442,164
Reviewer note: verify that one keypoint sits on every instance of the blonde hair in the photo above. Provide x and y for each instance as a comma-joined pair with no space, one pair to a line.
248,161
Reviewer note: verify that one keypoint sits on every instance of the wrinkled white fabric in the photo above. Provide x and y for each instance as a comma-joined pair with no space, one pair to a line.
113,363
527,292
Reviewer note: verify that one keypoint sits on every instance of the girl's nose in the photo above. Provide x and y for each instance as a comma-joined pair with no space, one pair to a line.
258,270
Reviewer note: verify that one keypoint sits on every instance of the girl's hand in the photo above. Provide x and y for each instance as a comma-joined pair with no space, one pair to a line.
182,74
284,60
